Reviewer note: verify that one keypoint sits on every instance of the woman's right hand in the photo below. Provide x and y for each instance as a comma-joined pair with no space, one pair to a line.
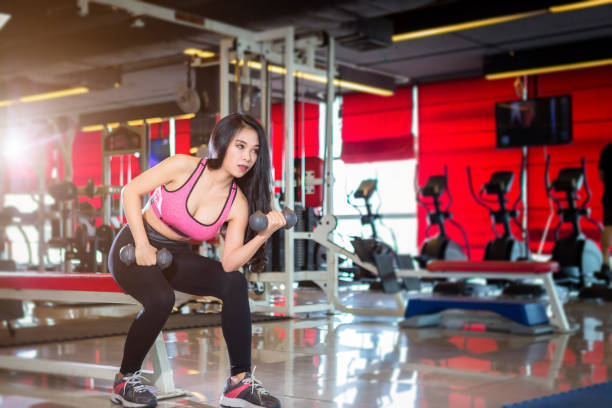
276,220
146,255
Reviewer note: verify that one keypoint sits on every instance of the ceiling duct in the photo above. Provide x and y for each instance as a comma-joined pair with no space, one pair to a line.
97,78
365,35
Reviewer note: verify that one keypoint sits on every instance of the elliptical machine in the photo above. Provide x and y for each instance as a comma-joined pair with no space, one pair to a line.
440,246
578,256
504,247
374,250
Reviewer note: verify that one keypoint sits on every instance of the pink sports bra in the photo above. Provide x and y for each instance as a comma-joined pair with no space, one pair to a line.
171,208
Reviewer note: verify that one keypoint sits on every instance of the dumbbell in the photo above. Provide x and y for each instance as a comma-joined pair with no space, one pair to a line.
259,222
127,255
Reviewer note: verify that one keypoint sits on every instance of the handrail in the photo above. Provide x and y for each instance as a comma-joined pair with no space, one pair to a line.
447,188
478,200
549,187
586,184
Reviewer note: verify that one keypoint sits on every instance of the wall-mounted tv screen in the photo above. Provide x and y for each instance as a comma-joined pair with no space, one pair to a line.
534,122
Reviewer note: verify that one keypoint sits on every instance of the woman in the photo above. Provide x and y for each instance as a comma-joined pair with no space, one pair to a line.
192,199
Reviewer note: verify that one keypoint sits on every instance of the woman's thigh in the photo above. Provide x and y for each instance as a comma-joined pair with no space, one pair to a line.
200,276
144,283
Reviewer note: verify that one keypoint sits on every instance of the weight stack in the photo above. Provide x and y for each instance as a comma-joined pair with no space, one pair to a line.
275,252
304,249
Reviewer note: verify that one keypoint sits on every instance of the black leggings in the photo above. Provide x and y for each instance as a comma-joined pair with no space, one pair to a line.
189,273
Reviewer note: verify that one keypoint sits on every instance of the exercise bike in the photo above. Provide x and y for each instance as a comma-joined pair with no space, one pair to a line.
578,256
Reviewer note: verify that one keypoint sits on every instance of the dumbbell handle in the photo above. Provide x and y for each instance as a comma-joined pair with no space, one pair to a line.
259,222
127,255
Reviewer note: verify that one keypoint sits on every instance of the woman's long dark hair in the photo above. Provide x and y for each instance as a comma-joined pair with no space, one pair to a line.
255,184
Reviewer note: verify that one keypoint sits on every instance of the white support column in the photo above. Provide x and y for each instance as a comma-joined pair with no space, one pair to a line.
328,186
106,179
224,80
328,177
289,164
172,136
265,94
42,245
524,179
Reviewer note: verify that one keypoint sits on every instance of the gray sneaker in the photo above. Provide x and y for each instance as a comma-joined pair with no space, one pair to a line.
129,391
248,393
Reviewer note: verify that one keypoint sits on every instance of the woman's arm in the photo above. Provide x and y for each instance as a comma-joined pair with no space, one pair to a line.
236,253
132,194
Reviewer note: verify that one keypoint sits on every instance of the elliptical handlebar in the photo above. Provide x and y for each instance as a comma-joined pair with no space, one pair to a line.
447,189
586,184
349,202
417,189
478,199
521,180
520,197
549,187
465,237
588,198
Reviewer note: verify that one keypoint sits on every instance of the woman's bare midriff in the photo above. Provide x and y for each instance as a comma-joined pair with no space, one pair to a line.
159,226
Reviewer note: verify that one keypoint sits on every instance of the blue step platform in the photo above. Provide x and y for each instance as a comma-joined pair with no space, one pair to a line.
594,396
425,311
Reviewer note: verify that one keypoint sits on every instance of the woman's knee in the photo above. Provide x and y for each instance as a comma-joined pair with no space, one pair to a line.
235,282
161,302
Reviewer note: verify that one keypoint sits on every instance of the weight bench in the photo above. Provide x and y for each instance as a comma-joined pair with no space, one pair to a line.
80,288
529,315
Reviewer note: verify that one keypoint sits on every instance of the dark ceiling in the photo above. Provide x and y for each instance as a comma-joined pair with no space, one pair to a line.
48,45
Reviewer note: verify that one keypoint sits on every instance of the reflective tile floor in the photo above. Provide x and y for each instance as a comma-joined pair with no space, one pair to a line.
346,361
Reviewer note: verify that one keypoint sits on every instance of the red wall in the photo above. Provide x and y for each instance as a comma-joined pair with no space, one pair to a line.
377,128
591,92
457,128
306,129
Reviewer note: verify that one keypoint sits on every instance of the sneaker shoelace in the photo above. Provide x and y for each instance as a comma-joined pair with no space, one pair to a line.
135,380
256,385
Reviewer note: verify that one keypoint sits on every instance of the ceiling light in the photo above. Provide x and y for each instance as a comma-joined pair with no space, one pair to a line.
55,94
4,18
185,116
362,88
354,86
47,95
559,57
151,121
549,69
578,5
198,53
92,128
463,26
136,122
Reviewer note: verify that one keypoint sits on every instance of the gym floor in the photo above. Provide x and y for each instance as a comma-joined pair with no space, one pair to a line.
342,360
